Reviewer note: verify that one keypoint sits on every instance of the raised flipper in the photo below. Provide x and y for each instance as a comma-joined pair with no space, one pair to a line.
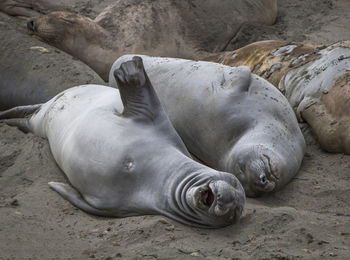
19,116
138,96
141,101
74,197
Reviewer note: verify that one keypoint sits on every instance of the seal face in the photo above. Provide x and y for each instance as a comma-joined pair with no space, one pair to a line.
123,157
229,118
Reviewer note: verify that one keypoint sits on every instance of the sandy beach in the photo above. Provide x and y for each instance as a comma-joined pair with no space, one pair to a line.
308,219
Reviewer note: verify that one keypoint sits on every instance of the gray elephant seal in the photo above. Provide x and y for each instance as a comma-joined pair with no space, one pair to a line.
229,118
123,157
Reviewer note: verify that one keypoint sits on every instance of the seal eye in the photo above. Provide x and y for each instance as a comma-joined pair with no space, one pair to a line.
31,25
208,197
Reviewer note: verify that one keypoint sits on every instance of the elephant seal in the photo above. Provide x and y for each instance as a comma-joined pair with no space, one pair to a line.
314,79
33,8
33,72
123,157
229,118
186,29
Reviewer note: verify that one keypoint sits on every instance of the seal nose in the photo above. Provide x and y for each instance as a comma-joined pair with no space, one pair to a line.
31,25
228,197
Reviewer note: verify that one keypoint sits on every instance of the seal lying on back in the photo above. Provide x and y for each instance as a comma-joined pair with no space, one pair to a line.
314,78
229,118
124,157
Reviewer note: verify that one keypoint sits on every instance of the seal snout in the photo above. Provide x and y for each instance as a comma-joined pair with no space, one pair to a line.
219,199
31,26
229,199
259,170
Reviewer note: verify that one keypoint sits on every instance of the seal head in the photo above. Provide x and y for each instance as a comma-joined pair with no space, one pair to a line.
258,169
218,199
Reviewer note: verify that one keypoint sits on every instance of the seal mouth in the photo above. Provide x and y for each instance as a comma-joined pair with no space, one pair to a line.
204,197
270,172
207,197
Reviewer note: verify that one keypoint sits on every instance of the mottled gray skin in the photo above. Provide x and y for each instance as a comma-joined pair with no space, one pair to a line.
123,157
232,120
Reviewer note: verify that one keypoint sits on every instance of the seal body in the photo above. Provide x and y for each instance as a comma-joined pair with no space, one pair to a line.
230,119
123,157
314,79
185,29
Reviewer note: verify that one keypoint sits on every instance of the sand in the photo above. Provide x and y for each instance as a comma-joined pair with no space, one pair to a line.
308,219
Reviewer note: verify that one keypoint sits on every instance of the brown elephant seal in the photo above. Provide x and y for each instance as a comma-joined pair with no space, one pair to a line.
229,118
187,29
314,78
123,157
33,72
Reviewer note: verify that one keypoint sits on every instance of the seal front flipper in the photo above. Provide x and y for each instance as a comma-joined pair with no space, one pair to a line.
74,197
138,96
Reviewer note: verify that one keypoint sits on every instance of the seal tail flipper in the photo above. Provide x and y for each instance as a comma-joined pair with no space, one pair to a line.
137,93
21,123
19,112
19,116
74,197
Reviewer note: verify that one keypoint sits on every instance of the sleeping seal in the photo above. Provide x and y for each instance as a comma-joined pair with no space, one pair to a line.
185,29
229,118
123,157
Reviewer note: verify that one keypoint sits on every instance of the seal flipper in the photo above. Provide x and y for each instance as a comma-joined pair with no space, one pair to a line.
19,116
74,197
138,96
19,112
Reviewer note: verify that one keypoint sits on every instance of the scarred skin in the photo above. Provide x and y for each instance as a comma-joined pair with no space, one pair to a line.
314,78
123,157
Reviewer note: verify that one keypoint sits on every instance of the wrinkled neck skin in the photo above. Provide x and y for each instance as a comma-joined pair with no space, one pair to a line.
184,175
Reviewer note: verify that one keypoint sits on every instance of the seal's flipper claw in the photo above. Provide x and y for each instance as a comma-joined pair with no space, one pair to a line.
74,197
139,98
